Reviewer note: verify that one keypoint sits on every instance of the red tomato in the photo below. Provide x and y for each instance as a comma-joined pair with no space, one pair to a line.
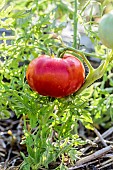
55,77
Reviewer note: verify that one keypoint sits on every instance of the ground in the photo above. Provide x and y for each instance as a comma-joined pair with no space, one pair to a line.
97,155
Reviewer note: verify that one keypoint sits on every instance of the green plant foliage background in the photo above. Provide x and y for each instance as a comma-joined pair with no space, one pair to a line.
35,28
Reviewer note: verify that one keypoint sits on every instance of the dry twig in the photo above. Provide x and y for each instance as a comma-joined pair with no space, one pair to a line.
100,137
95,155
105,163
97,139
105,166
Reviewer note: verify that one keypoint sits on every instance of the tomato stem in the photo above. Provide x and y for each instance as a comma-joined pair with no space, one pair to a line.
95,55
94,74
75,17
81,54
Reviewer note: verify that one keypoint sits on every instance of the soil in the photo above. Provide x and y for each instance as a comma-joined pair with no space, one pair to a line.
10,139
97,155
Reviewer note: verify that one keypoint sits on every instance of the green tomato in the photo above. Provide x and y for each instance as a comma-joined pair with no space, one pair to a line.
106,30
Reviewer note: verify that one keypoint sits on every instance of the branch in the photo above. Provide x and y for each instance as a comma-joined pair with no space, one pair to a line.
97,139
100,137
75,24
95,155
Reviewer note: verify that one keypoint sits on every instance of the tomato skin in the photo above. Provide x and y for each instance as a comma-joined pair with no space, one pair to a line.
105,30
55,77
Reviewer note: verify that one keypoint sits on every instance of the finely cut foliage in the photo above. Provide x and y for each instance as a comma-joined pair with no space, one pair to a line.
50,125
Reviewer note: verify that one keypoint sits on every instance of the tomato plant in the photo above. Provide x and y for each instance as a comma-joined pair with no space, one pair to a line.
56,77
51,124
106,30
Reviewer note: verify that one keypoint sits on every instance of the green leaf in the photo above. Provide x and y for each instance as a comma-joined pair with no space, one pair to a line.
4,114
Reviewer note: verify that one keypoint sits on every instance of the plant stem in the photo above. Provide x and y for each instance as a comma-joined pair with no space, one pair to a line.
75,24
94,74
101,56
111,59
95,55
8,38
87,3
78,52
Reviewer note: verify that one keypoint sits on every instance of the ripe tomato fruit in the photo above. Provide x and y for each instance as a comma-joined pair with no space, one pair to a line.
106,30
55,77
